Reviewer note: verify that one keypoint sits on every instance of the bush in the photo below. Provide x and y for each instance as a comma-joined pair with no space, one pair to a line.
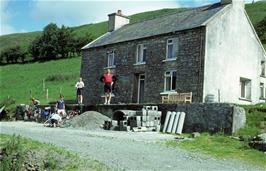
12,154
60,77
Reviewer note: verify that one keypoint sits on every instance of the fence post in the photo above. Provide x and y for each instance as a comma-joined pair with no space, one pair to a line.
47,94
43,84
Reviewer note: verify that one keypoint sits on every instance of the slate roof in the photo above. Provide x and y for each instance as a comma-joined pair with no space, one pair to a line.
178,21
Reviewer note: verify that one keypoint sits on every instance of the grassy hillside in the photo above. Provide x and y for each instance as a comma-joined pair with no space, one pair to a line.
96,30
256,12
18,81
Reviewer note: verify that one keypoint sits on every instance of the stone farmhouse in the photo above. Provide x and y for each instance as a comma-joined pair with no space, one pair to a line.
211,51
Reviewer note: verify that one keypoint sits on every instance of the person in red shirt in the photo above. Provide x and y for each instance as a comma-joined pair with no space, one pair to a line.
108,83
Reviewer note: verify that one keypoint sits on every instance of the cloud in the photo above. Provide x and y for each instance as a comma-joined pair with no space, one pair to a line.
6,17
84,12
6,28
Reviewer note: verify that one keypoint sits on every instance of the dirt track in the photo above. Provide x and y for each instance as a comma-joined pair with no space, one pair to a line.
122,150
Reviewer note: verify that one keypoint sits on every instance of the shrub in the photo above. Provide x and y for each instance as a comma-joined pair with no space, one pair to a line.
60,77
12,154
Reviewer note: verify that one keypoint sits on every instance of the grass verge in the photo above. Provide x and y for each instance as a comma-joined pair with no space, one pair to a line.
19,153
222,146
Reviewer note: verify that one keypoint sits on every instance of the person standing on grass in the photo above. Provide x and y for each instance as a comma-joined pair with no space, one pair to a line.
60,105
107,79
79,86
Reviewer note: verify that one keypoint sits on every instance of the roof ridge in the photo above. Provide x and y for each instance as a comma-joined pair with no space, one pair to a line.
172,13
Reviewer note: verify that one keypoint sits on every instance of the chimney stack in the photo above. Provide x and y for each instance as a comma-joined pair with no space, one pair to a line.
117,20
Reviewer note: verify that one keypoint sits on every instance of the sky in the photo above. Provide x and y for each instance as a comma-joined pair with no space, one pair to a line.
19,16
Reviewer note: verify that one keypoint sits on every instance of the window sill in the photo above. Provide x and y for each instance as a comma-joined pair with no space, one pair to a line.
169,60
248,100
140,63
168,92
110,67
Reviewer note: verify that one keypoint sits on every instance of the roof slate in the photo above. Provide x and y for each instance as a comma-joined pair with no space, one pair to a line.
178,21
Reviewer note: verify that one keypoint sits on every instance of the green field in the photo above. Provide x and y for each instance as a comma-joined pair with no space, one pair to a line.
19,80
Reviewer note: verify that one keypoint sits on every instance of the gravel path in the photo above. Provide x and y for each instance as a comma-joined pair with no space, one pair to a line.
122,150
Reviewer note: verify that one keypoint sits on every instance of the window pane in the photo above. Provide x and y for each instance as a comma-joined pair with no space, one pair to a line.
144,55
262,68
261,90
167,83
248,89
174,80
242,84
138,53
170,51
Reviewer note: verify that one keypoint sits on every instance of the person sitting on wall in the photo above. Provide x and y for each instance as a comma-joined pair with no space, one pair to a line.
79,86
60,105
107,79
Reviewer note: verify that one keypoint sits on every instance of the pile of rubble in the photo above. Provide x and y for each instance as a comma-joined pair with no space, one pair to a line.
91,120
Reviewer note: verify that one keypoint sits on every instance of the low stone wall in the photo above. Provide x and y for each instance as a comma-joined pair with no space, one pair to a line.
200,117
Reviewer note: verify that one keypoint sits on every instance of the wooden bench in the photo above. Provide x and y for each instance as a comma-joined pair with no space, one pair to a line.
177,98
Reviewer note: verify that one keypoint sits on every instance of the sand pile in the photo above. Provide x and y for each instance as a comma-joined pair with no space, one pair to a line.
88,120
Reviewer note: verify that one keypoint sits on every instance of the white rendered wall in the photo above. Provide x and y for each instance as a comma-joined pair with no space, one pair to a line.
232,51
120,21
116,21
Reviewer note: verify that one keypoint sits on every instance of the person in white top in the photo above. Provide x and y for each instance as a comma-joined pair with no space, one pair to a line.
56,119
79,86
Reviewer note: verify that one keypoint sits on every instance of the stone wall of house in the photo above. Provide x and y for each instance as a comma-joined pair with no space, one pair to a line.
200,117
189,66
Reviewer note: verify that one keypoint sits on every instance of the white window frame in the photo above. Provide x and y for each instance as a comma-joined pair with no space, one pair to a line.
247,87
174,43
111,59
166,75
140,54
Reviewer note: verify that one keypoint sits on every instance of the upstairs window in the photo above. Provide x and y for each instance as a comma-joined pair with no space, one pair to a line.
141,53
171,48
262,68
111,59
262,95
170,81
245,88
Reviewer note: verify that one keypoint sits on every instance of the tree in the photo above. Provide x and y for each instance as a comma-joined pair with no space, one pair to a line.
35,48
13,54
64,39
49,42
81,42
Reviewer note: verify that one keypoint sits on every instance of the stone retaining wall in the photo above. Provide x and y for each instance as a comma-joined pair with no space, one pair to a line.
200,117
